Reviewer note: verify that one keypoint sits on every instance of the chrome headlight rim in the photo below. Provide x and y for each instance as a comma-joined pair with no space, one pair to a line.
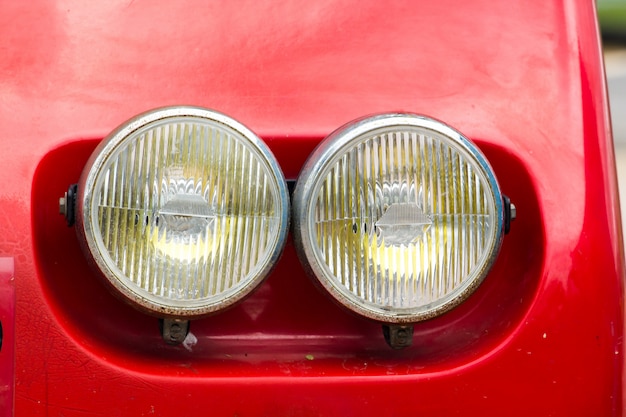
97,255
315,170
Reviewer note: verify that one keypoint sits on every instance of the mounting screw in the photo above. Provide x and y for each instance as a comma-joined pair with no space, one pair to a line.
67,204
174,331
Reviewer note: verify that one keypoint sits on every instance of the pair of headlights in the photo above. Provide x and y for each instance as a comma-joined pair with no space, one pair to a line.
185,211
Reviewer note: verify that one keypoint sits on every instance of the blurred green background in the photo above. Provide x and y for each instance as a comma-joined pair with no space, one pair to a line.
612,16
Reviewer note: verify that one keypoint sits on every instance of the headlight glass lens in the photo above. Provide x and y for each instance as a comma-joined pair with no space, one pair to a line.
398,216
184,210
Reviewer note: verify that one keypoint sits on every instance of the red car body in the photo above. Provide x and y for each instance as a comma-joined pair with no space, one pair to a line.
542,336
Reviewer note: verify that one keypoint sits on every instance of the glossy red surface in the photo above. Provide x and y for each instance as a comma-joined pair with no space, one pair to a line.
544,333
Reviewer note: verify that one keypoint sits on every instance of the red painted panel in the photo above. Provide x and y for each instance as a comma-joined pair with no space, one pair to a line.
524,79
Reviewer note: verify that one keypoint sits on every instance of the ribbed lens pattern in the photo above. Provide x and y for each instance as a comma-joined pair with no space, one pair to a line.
187,210
403,219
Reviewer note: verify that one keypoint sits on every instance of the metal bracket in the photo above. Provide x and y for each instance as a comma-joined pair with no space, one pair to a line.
510,213
291,185
67,205
174,331
398,336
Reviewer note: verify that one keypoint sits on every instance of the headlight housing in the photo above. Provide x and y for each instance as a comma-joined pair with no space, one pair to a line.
183,210
398,217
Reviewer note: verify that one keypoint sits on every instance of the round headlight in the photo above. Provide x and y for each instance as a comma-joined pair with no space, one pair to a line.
183,210
398,216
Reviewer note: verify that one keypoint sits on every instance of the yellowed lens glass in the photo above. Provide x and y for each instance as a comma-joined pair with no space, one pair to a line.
400,221
187,214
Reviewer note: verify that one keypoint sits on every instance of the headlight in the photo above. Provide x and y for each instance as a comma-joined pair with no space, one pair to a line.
399,217
183,210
